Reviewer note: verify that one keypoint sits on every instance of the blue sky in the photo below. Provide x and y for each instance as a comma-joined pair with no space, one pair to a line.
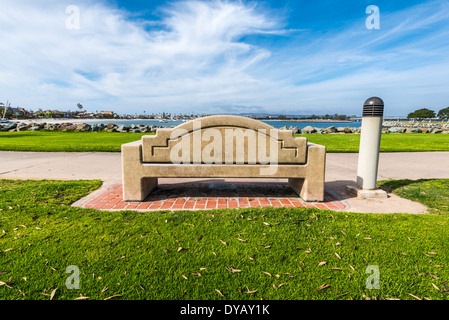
290,57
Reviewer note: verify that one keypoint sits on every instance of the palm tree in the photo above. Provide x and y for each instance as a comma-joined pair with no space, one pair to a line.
5,107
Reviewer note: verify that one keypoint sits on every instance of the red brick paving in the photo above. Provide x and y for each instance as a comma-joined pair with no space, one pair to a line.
203,197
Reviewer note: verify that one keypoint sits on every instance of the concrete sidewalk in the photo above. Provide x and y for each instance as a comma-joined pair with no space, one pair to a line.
341,170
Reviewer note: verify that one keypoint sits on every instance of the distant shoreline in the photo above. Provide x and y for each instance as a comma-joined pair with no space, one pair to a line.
62,120
310,120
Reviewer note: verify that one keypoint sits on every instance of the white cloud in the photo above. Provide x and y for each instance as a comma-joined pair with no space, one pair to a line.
115,61
194,58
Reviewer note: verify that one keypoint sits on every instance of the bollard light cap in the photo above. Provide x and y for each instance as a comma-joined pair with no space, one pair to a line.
373,107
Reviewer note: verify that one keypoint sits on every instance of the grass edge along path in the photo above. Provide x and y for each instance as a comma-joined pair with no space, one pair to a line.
112,141
433,193
241,254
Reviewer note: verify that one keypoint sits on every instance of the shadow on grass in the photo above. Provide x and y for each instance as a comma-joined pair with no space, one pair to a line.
21,135
390,186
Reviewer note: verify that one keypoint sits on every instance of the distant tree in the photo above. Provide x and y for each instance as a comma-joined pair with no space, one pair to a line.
443,113
423,113
340,117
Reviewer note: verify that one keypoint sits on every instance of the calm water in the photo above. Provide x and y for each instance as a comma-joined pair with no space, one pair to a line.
276,124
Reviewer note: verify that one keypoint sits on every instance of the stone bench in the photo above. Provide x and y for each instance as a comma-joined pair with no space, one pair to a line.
223,147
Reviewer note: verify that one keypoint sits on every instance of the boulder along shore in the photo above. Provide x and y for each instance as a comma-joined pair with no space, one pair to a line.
79,126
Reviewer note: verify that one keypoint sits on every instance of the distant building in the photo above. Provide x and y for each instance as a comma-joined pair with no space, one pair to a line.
107,114
19,112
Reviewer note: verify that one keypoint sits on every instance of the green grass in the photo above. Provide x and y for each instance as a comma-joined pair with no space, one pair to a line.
390,142
432,193
111,141
65,141
132,255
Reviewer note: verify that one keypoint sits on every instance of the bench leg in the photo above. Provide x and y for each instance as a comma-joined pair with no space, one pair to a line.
311,188
136,187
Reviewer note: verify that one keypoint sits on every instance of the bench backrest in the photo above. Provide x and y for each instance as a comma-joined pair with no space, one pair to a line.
224,140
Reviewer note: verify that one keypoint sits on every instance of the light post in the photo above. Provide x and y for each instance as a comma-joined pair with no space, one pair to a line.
368,162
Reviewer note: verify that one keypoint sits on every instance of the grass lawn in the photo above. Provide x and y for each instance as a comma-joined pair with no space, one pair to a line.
65,141
263,253
390,142
111,141
432,193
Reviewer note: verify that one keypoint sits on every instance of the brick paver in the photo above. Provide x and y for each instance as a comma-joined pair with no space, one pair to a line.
202,196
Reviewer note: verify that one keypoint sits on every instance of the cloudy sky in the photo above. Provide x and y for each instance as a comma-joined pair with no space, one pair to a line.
276,56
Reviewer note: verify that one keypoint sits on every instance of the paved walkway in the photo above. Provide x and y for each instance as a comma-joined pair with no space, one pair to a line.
341,170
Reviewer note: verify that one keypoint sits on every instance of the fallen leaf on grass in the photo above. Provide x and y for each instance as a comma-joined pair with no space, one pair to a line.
82,298
116,295
322,263
412,295
104,289
223,242
337,255
233,270
196,274
424,273
267,224
219,292
184,276
4,284
242,240
267,273
434,285
249,291
53,294
323,286
339,269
